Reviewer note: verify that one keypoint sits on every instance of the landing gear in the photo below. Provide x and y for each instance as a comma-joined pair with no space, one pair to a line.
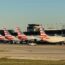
32,42
62,43
12,42
24,42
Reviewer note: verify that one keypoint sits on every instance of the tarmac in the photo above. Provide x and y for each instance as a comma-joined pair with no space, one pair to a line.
38,52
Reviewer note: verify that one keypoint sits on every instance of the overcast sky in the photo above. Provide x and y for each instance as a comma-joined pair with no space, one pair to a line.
22,12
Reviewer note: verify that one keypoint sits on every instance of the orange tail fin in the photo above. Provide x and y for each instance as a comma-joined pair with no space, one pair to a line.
6,32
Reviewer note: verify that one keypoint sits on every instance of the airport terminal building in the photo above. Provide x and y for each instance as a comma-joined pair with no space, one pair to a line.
33,29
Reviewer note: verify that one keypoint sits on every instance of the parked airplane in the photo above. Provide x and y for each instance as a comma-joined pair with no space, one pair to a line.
21,36
24,38
11,38
50,39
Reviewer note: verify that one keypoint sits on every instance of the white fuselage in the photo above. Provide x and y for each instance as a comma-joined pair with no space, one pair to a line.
54,39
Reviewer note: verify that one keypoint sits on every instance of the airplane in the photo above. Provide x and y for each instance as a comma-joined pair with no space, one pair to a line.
50,39
11,38
20,35
25,38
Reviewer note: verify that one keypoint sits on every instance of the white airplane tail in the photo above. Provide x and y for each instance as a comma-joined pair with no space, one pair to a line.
20,35
43,35
6,32
18,31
